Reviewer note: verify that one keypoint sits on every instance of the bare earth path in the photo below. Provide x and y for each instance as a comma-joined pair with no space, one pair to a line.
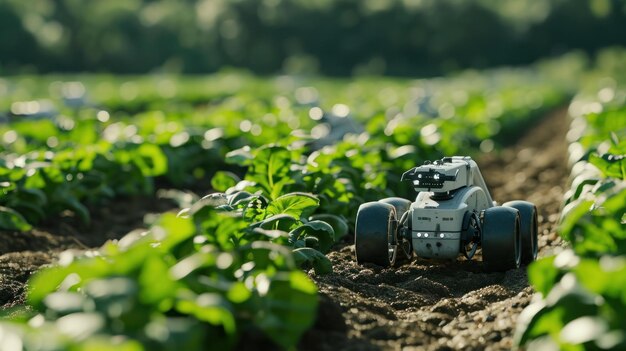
427,305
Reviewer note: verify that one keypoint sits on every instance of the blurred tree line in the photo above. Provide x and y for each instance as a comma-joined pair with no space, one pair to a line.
335,37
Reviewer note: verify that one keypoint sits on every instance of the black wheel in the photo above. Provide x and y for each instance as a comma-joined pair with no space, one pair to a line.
528,229
501,239
401,205
405,248
375,234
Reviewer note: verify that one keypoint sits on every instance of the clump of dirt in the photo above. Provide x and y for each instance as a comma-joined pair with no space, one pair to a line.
430,305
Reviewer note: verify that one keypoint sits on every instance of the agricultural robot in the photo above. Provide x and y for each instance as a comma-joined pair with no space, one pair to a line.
453,214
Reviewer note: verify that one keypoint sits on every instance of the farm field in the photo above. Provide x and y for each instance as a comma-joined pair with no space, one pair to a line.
160,212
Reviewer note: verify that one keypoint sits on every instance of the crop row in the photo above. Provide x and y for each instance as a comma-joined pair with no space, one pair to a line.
281,158
581,301
68,150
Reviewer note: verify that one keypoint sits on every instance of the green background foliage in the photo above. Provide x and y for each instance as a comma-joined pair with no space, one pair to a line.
333,37
581,302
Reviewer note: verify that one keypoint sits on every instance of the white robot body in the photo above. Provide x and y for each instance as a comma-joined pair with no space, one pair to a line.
452,214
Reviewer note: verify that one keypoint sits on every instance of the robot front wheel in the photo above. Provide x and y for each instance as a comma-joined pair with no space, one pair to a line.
376,223
528,228
404,250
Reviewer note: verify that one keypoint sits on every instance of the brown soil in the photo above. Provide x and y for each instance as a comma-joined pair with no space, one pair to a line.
21,254
429,305
420,305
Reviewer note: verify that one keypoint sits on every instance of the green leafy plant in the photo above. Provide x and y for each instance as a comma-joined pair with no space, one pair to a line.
581,303
285,181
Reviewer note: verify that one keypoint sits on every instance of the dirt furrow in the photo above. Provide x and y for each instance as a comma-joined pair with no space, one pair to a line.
22,254
429,305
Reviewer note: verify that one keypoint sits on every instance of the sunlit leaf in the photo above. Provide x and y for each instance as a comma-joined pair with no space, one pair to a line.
223,180
281,221
291,305
151,160
297,205
543,275
241,157
610,165
270,169
211,308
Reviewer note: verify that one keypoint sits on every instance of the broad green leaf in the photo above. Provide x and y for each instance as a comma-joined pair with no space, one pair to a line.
611,165
204,210
297,205
244,185
212,308
156,284
276,236
48,280
240,198
535,321
7,187
301,283
229,231
340,227
37,196
32,212
211,200
307,256
101,343
543,275
266,254
223,180
240,157
12,220
238,293
291,305
565,302
615,204
111,287
606,276
255,209
175,230
40,130
151,160
278,186
284,222
320,230
270,169
193,262
575,211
